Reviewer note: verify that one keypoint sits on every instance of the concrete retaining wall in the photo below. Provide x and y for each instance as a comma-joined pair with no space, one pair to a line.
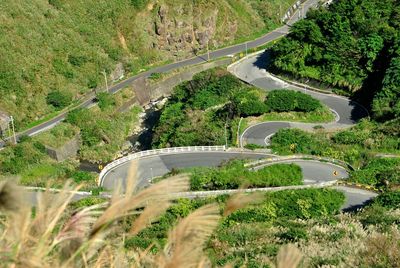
69,149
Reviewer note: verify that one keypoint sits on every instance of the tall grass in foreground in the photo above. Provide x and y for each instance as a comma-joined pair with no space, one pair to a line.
51,236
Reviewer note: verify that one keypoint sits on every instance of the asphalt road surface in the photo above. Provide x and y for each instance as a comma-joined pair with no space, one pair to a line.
253,71
154,166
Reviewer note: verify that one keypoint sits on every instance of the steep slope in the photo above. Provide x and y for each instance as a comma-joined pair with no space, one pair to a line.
62,47
353,45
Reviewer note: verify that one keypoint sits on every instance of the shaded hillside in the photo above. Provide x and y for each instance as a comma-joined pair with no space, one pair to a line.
352,45
62,47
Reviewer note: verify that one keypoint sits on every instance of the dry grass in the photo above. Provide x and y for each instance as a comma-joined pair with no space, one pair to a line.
51,236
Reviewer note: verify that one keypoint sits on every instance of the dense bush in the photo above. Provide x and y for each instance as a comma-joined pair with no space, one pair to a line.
234,174
352,45
82,176
389,199
58,99
105,100
289,100
287,141
292,204
379,172
248,102
200,110
17,158
102,132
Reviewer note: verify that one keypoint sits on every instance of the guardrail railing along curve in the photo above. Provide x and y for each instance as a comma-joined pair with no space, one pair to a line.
141,154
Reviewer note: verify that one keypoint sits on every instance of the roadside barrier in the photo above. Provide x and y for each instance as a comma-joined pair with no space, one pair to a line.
302,157
141,154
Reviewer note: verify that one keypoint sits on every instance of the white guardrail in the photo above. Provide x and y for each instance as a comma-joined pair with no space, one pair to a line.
301,157
141,154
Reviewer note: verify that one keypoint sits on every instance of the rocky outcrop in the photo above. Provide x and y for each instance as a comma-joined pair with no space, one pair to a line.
181,30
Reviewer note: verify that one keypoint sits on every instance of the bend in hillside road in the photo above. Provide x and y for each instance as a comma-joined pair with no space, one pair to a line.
159,165
253,71
90,98
314,172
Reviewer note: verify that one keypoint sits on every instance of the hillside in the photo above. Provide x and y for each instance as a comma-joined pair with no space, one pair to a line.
62,47
352,46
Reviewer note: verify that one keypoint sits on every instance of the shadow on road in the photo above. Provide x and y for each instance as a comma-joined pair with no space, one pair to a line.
357,111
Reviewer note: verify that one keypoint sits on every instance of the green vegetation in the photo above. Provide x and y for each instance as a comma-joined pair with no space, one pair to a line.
310,203
239,235
29,161
289,100
58,135
235,174
321,115
354,145
206,109
291,204
103,129
290,140
383,173
59,52
58,99
352,45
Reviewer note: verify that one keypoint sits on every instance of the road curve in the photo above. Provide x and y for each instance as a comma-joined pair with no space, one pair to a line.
159,165
253,71
153,166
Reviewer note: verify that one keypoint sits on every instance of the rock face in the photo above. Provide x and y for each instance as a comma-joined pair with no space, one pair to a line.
4,123
181,29
118,72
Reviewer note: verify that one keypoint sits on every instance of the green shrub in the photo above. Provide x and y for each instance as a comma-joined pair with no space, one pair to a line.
253,146
82,176
293,235
247,102
292,204
58,99
287,141
289,100
234,174
377,215
389,199
86,202
105,100
139,4
379,172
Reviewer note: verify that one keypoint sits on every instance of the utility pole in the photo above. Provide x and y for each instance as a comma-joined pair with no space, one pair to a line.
238,133
13,128
208,52
226,137
105,79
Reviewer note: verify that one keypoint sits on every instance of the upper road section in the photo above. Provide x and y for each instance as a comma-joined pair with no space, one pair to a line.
90,98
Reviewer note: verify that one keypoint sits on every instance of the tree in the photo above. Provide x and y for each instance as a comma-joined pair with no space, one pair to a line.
58,99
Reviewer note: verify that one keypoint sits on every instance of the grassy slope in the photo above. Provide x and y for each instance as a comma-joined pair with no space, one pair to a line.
65,45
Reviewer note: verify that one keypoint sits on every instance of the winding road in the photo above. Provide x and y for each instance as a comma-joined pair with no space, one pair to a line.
250,70
90,98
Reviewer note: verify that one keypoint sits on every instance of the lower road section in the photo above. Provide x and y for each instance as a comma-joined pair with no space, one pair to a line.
314,172
159,165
